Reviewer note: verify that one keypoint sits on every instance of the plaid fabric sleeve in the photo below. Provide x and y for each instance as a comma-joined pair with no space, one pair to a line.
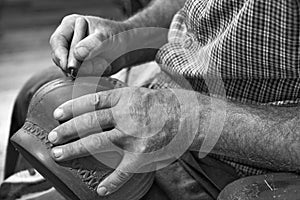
250,46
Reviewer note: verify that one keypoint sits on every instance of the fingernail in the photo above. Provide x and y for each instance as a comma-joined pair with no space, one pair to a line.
57,152
102,191
52,137
58,113
82,52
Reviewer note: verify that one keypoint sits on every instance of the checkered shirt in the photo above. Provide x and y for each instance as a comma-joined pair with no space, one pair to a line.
251,47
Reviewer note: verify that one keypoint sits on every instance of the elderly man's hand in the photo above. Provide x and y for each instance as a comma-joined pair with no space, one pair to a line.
148,127
98,49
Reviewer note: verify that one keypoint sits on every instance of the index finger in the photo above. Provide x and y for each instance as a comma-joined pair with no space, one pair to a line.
80,31
87,103
60,40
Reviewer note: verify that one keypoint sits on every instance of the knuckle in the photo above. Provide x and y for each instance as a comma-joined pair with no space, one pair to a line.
118,179
89,120
101,115
142,148
95,100
65,131
99,121
79,147
54,42
52,38
98,141
99,36
69,17
74,149
74,15
122,176
68,150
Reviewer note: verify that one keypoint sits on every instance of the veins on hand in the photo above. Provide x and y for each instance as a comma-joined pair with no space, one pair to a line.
147,108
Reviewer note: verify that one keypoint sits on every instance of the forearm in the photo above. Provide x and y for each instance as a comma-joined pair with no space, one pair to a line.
149,29
159,13
262,136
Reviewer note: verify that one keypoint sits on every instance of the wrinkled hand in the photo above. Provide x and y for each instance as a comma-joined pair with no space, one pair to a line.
147,126
97,50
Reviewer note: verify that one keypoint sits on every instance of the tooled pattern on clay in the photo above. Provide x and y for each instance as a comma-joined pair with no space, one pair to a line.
36,131
91,178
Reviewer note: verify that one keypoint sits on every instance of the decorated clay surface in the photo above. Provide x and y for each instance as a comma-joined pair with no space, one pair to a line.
78,178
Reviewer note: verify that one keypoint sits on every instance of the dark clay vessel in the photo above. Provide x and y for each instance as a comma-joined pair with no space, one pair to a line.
77,179
280,186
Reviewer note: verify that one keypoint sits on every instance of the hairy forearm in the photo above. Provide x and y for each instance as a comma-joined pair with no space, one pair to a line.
262,136
159,13
149,30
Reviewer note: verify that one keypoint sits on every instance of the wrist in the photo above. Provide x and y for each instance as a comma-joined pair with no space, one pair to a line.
141,44
138,57
212,117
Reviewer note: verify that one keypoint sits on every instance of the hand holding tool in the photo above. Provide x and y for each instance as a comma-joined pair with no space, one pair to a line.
80,32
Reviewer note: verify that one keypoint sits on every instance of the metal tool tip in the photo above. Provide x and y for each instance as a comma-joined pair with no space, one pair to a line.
72,71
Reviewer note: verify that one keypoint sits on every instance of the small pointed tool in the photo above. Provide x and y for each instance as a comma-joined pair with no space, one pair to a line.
80,32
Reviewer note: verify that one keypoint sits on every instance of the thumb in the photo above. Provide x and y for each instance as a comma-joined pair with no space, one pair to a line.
89,47
119,177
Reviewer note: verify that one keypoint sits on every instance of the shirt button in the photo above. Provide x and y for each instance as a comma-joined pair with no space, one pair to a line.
188,43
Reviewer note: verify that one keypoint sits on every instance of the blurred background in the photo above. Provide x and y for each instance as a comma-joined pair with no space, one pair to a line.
25,28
